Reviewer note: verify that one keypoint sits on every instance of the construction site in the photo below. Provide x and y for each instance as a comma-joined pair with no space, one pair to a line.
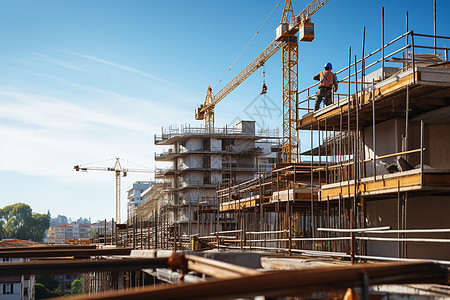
249,213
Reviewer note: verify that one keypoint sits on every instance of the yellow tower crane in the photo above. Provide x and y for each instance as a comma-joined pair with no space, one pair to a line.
120,172
286,38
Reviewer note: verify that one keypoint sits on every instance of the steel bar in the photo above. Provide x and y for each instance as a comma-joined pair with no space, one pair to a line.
38,248
218,269
411,231
354,230
287,282
429,47
404,240
421,151
66,253
80,266
382,43
434,25
429,35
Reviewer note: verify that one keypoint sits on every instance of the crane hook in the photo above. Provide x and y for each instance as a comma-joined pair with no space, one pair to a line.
264,86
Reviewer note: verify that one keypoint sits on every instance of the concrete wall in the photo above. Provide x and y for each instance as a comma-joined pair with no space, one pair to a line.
438,137
216,145
247,127
424,212
194,144
216,161
388,141
216,177
192,161
192,178
243,144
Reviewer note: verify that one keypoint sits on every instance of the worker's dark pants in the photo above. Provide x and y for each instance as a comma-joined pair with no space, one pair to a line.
323,94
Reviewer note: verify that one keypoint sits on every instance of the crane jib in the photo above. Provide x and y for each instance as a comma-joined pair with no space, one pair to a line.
244,74
265,55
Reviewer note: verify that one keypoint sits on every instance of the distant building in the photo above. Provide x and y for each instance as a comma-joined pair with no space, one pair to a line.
99,228
60,233
16,286
135,196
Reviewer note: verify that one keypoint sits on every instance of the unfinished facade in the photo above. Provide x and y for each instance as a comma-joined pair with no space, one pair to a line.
184,202
378,159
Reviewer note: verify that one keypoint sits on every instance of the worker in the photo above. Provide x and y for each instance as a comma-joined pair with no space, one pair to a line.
328,81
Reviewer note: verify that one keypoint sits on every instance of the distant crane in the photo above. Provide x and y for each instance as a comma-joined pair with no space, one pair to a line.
120,172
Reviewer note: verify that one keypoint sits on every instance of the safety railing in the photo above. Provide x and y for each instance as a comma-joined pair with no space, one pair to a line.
335,242
406,44
180,131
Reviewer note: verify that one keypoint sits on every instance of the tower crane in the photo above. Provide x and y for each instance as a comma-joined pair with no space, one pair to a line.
120,172
285,38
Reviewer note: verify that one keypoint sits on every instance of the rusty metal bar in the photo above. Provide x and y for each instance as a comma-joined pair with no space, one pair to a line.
65,252
38,248
80,266
281,283
218,269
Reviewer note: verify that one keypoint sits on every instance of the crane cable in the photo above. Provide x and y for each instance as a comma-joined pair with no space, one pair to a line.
229,69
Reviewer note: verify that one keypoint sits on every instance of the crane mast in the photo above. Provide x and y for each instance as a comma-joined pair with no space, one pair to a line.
119,173
286,38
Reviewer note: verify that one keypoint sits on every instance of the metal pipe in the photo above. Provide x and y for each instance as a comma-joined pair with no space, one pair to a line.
312,189
404,240
403,259
80,266
412,231
348,111
413,57
429,47
421,152
407,118
377,229
30,253
382,43
355,149
374,132
363,64
434,25
407,40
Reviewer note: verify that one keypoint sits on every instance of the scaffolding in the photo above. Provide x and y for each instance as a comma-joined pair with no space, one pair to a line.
319,205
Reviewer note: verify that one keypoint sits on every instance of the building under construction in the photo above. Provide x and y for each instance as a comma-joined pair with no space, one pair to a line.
373,187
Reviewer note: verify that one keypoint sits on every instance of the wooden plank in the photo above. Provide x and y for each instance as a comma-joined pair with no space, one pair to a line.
366,188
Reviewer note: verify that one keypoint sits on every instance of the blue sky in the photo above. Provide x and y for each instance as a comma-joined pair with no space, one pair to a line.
88,81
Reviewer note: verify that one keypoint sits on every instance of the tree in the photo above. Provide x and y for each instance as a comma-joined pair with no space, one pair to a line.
76,287
49,283
59,220
17,221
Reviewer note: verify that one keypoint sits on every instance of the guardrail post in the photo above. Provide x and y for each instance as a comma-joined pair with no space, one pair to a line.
352,235
413,57
421,152
290,240
218,241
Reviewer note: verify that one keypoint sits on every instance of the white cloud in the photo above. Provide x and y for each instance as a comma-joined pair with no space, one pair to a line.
120,66
46,136
58,62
